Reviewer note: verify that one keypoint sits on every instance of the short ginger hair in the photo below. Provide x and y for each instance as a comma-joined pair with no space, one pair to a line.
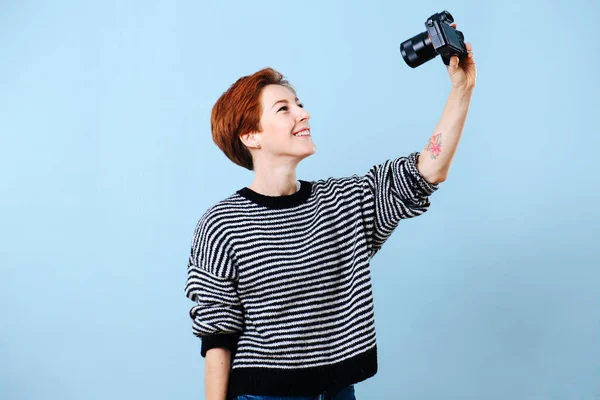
238,111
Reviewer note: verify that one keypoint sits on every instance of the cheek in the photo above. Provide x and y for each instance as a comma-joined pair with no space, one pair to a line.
282,127
279,127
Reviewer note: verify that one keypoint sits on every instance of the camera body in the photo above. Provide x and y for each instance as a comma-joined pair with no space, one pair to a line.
439,38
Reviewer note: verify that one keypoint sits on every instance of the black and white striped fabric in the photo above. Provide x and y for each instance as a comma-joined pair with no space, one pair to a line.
284,281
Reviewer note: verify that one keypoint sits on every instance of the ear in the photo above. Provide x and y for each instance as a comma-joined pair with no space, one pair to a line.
250,139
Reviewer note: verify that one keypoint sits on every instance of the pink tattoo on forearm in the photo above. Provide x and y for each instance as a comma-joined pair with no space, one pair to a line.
434,147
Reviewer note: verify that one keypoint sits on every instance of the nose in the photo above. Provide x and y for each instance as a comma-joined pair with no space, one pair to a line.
303,115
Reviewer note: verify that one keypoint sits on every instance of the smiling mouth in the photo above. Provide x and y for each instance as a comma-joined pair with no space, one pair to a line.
303,132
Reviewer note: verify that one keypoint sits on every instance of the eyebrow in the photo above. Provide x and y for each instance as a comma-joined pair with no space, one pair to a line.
282,101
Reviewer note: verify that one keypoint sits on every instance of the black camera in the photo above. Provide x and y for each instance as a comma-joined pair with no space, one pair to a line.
439,38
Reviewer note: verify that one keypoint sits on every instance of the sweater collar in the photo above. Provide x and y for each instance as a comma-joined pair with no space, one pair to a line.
287,201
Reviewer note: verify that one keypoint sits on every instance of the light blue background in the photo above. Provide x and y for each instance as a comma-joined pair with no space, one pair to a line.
107,162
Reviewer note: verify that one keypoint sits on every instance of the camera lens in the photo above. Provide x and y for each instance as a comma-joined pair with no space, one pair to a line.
417,50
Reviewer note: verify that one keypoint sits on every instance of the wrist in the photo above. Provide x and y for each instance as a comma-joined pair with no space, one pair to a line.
463,90
461,94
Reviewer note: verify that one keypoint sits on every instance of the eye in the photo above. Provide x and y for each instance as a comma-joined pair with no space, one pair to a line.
285,108
300,105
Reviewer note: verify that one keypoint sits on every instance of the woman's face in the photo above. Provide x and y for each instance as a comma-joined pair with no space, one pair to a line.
283,117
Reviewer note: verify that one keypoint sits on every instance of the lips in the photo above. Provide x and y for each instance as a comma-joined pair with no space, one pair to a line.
302,132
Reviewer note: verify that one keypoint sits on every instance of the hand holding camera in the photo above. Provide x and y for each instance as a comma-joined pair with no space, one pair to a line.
441,37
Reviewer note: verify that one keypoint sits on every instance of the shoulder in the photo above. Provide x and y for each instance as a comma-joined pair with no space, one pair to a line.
218,216
349,187
336,184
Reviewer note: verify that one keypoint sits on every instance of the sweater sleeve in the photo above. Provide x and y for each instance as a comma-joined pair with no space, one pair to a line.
217,316
393,191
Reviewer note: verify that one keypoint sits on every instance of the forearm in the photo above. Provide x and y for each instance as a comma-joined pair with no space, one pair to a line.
435,159
216,376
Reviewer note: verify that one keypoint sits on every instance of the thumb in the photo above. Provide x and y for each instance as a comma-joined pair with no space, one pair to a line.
454,62
453,65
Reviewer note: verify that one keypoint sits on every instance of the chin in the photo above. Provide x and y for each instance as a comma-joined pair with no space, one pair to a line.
314,150
308,154
300,154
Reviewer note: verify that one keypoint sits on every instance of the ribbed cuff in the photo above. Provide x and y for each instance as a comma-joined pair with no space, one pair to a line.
420,186
227,341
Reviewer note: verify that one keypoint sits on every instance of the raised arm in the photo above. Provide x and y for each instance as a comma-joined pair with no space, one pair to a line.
434,162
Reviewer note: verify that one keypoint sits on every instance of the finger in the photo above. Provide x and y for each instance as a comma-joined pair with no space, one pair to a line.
469,46
454,61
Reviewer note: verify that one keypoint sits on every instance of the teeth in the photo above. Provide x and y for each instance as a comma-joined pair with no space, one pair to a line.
303,133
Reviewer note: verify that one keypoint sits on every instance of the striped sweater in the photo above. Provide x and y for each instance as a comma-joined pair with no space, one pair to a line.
284,282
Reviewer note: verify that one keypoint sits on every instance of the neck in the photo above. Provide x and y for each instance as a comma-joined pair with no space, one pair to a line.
274,180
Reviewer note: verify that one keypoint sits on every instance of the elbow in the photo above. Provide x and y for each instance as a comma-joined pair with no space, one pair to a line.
434,179
439,176
431,173
439,179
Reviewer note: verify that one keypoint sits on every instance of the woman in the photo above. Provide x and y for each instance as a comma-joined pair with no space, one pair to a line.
279,270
